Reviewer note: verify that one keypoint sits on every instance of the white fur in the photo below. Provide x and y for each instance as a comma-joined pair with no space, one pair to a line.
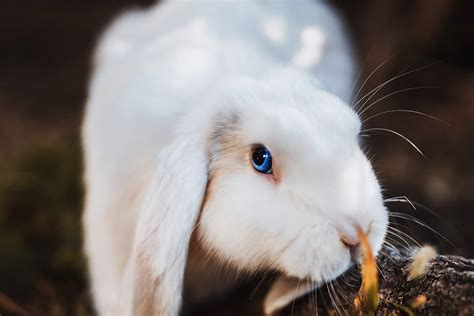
161,78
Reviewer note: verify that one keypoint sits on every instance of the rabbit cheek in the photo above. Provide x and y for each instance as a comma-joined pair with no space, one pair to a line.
226,156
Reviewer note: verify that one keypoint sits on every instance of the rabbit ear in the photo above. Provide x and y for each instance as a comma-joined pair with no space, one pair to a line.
284,291
165,224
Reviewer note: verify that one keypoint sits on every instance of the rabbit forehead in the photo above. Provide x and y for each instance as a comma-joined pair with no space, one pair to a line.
306,129
311,134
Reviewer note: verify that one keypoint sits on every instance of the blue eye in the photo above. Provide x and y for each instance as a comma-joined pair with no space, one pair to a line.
262,159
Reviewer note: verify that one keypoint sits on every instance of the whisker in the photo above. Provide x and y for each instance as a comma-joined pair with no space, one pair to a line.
370,76
340,290
336,310
345,294
405,234
394,241
387,256
336,299
400,75
390,246
405,111
258,286
391,233
314,299
380,270
349,98
374,91
402,199
363,110
421,223
396,133
414,204
294,298
199,222
343,279
387,244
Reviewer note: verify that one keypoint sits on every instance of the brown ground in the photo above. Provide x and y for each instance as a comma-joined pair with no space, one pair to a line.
44,64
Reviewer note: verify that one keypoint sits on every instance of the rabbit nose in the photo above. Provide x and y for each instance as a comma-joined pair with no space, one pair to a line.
353,244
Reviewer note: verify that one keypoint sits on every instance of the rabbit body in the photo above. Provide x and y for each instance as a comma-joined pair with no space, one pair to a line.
157,76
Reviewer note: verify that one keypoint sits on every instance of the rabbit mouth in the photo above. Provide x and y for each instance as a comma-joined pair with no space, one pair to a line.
322,254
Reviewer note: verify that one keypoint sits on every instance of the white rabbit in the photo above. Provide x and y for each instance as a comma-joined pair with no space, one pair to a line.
221,122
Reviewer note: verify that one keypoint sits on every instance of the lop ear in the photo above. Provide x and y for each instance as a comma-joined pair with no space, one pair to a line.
284,291
167,218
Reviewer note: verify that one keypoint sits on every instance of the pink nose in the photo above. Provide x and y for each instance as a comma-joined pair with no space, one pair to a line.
350,241
353,244
350,233
349,236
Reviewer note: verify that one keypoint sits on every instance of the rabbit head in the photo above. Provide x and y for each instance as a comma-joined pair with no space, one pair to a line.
269,175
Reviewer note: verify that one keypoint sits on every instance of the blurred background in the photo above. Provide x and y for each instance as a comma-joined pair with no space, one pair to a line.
45,49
